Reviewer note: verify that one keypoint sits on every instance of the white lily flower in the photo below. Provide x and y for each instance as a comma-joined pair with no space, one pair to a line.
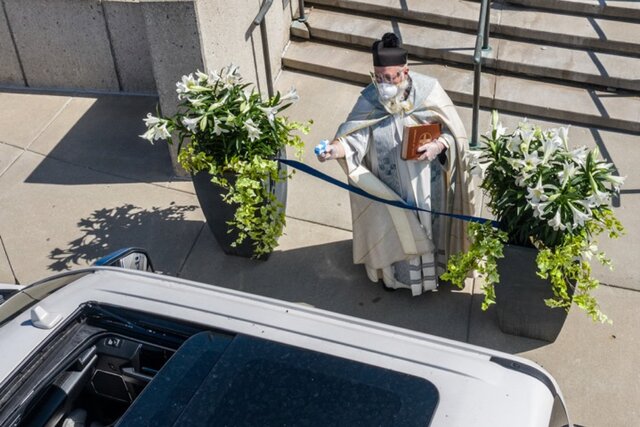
252,129
151,120
270,112
585,205
202,77
617,181
598,198
214,76
549,147
556,221
158,131
514,143
156,128
580,155
191,123
604,166
579,217
568,172
500,130
564,136
531,161
217,129
514,163
527,136
196,102
230,75
162,132
185,85
292,96
148,135
538,209
525,166
536,194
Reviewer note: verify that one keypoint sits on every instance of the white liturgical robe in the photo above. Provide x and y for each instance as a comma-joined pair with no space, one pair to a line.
406,249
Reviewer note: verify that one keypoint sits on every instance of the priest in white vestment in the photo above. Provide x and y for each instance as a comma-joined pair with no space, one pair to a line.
404,248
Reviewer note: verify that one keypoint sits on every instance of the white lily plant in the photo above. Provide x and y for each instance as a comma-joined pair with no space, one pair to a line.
546,195
224,126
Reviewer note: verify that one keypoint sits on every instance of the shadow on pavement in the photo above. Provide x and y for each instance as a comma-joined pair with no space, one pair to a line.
324,276
102,134
109,229
320,275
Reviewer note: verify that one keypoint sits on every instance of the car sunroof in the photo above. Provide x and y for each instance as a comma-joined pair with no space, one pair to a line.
245,381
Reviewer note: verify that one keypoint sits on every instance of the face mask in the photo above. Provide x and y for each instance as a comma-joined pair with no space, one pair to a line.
387,91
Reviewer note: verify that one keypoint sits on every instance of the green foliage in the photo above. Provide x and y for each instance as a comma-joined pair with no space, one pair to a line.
486,247
547,196
223,128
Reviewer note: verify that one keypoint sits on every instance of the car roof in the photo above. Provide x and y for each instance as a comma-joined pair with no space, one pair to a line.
473,389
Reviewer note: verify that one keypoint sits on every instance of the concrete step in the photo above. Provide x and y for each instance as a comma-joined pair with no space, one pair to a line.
623,9
505,93
507,19
584,66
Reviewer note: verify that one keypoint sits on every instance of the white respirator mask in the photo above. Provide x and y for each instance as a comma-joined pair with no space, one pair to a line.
387,91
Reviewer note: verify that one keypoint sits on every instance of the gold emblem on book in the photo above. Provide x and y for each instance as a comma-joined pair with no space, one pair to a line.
425,138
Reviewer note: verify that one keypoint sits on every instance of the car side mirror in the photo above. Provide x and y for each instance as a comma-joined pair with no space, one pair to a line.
7,291
131,258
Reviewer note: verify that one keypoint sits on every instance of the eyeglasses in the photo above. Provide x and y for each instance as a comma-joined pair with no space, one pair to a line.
387,77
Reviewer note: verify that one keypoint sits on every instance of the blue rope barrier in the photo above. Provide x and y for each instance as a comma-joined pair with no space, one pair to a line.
398,204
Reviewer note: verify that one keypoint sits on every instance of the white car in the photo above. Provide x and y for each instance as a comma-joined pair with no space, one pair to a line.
112,346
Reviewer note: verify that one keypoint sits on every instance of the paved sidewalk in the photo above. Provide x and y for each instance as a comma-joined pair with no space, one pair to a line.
76,183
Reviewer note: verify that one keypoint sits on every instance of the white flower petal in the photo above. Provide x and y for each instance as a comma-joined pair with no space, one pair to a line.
191,123
292,95
556,221
579,217
151,120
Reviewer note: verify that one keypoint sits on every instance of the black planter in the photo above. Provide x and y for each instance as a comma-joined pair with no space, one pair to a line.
218,213
520,297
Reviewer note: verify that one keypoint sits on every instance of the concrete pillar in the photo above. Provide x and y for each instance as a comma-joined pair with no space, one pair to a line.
174,43
128,35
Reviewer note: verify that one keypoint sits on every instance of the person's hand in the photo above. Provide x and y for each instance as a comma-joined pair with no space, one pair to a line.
431,150
325,151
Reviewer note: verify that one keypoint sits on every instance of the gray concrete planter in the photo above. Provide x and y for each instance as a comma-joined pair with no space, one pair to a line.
520,297
218,213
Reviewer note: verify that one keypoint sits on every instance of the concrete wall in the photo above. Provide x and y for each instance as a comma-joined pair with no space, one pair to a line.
139,46
10,72
62,43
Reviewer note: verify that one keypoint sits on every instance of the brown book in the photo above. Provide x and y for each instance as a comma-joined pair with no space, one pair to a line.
415,136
